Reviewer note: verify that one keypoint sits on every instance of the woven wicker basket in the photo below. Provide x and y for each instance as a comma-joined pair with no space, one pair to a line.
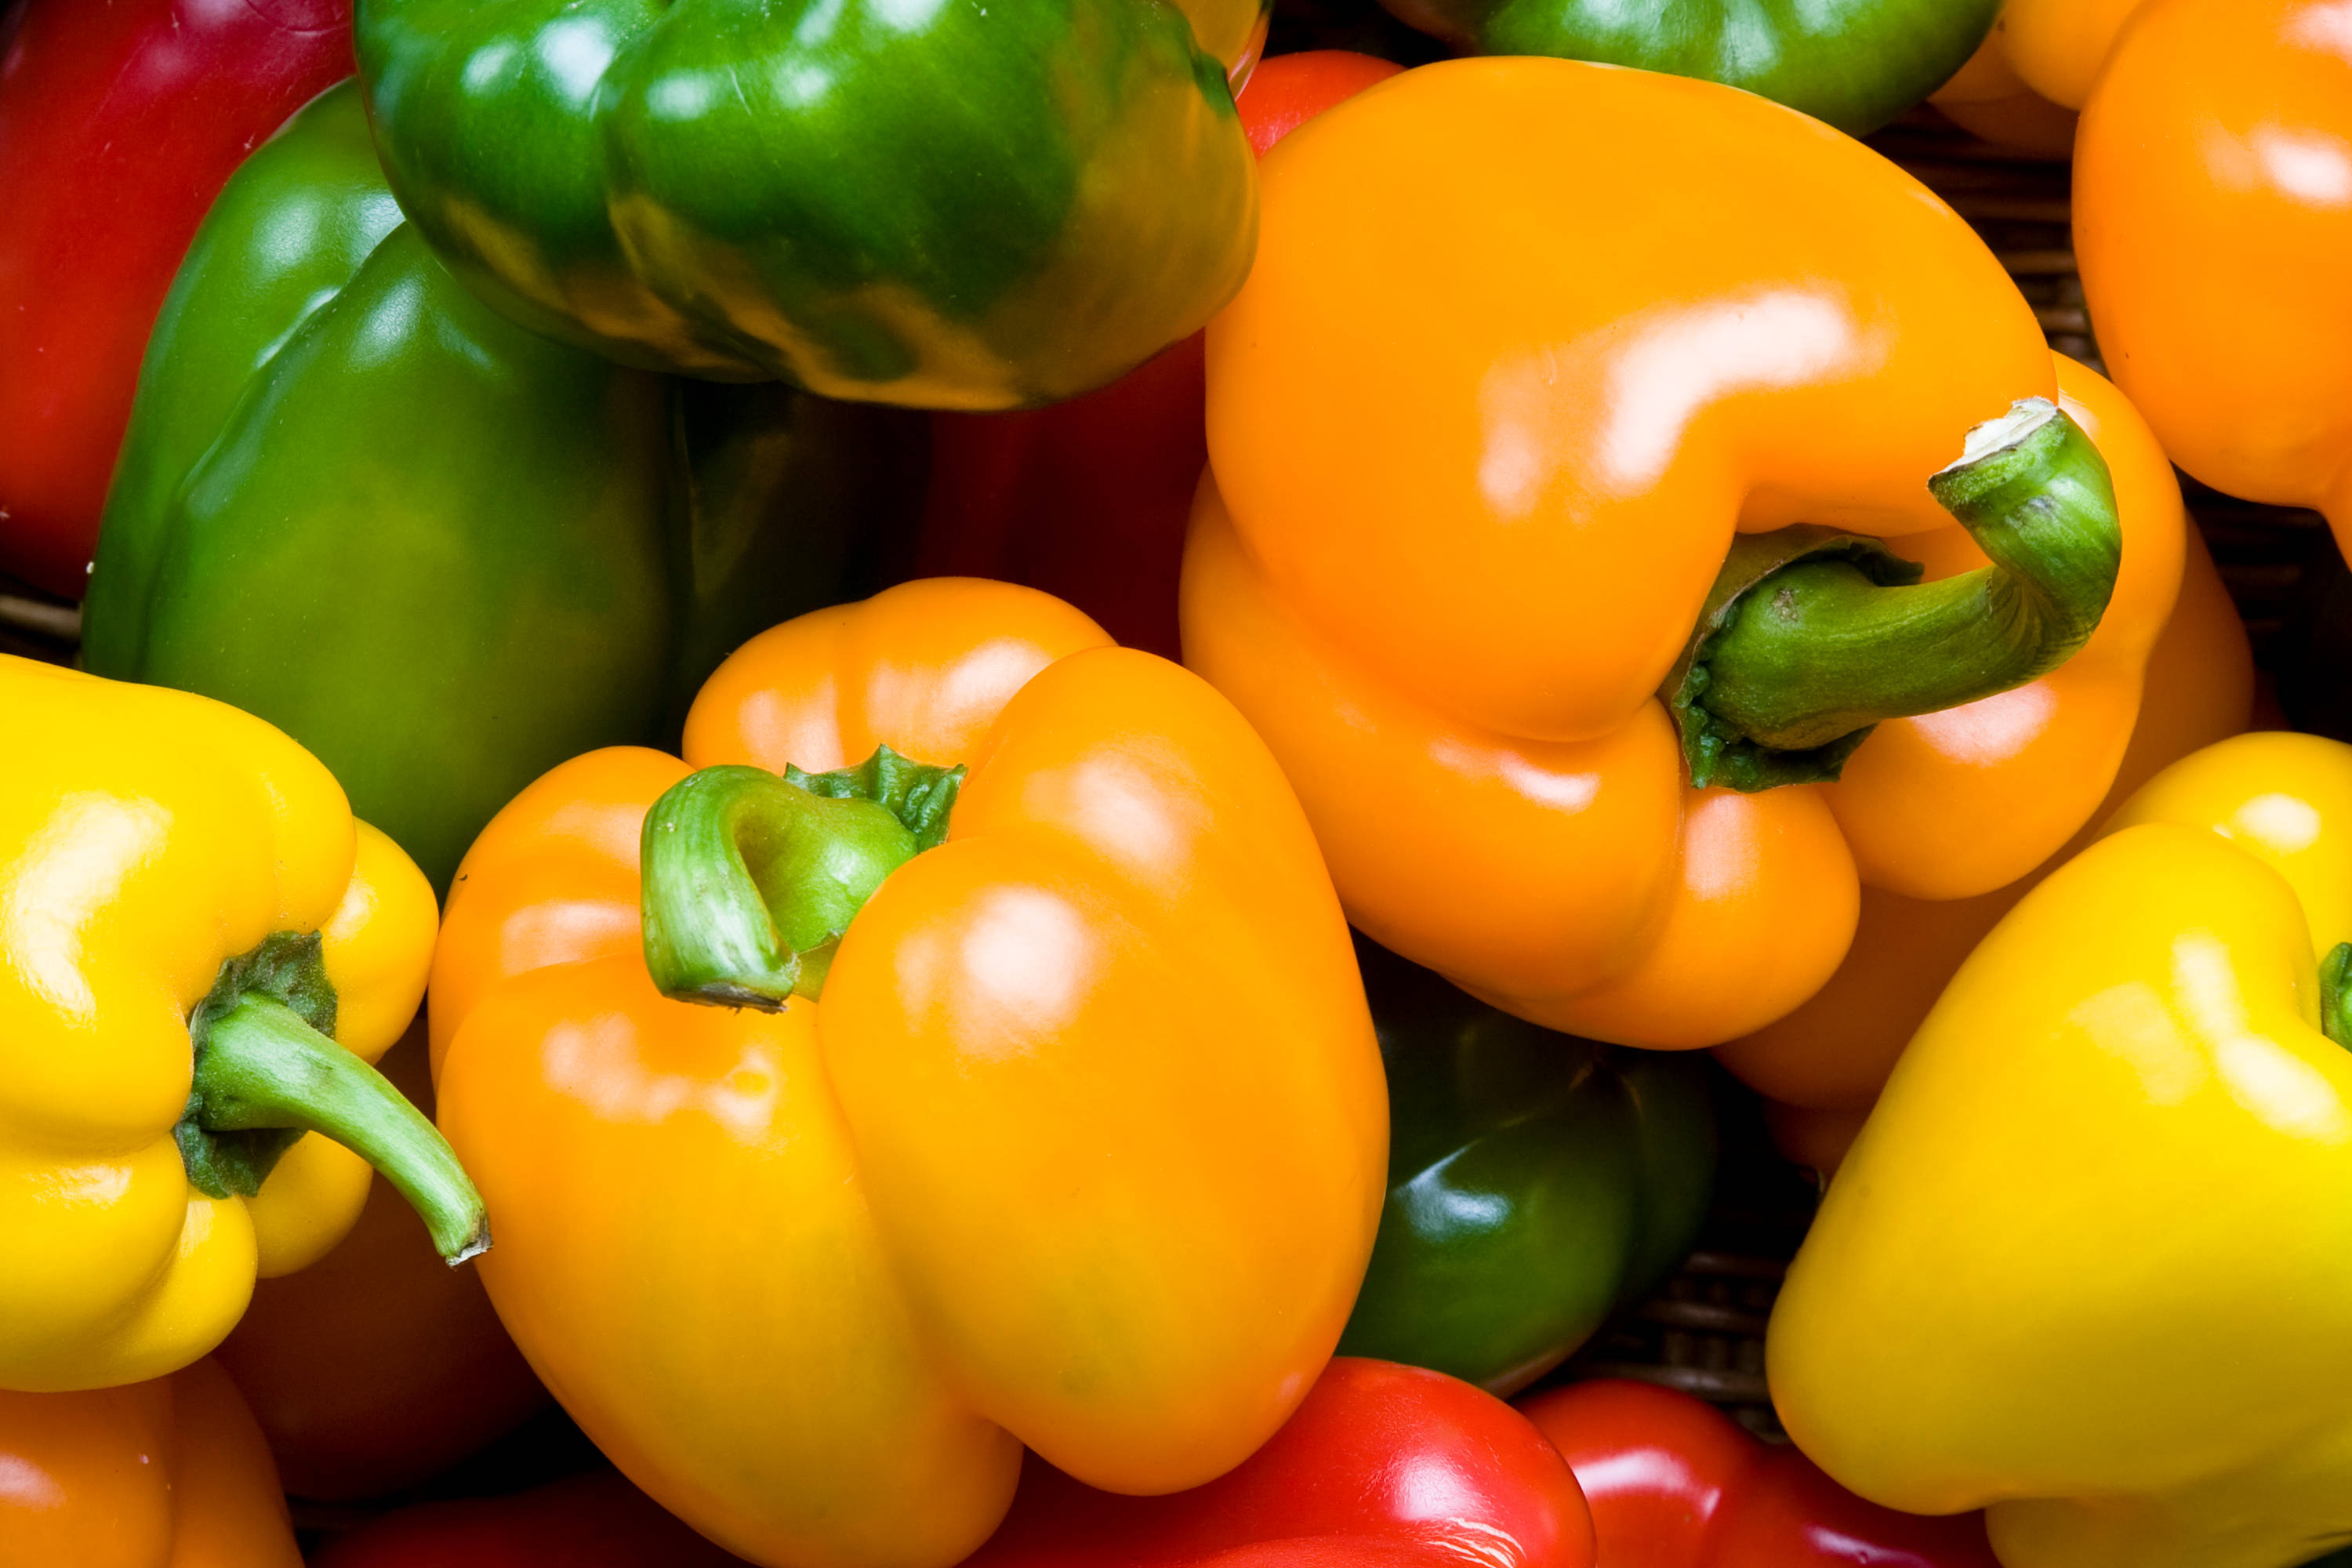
1703,1331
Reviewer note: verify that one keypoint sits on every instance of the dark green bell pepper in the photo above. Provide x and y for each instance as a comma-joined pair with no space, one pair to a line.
441,552
1537,1181
949,203
1855,63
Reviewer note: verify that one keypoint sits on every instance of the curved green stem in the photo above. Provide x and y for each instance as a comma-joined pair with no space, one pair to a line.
752,878
1790,670
260,1069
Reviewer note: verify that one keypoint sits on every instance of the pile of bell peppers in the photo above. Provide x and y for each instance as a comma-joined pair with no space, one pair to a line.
900,782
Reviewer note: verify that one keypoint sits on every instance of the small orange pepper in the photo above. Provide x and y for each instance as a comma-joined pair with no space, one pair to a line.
1482,435
1987,97
171,1473
2058,48
2024,86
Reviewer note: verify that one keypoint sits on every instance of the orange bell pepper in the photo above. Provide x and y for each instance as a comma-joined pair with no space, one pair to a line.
1825,1063
1482,437
2057,48
1987,97
1070,1131
2034,72
2213,224
379,1365
171,1473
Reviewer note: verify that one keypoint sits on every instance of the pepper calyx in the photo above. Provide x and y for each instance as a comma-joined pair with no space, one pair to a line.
917,794
266,1070
1718,750
289,968
2336,995
751,879
1780,686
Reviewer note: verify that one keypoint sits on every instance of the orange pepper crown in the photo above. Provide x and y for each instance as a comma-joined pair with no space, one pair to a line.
1485,425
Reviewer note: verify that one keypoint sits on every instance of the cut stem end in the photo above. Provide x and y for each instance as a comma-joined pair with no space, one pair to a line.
1811,638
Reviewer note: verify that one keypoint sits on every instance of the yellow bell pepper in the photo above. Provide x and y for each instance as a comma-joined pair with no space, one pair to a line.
2090,1262
187,913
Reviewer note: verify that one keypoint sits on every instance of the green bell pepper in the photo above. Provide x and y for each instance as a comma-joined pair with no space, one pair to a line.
441,552
949,204
1537,1181
1855,63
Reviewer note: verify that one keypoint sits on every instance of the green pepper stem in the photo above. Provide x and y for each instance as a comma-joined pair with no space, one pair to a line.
2335,996
1818,651
751,879
262,1066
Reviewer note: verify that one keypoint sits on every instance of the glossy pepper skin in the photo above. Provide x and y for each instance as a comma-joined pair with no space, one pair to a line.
379,1367
1674,1483
1988,98
1823,1065
2211,225
2058,48
1483,533
2023,88
1831,1055
934,206
153,838
1382,1466
170,1473
596,1521
1081,1146
1088,499
1856,64
1536,1182
117,124
442,552
2124,1111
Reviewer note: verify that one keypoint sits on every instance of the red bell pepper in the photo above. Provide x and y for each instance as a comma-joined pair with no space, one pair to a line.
120,121
1288,90
594,1520
1381,1466
1086,500
1089,499
1674,1483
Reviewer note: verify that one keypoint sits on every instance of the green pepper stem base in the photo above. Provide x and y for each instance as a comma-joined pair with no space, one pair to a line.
2336,995
751,879
261,1067
1789,671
